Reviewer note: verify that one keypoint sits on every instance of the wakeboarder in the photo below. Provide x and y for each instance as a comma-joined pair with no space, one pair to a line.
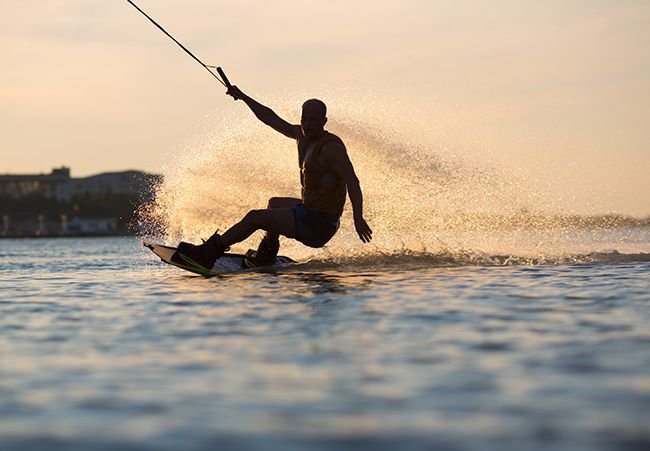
326,174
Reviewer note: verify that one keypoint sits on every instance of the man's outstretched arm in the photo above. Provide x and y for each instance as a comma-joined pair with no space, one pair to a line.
265,114
338,160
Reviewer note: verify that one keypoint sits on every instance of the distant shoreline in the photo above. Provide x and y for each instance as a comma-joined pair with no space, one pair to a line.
87,235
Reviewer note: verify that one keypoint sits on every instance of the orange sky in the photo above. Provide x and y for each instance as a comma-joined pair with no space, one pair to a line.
559,89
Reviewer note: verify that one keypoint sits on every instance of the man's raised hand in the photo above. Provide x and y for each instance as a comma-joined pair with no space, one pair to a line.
234,92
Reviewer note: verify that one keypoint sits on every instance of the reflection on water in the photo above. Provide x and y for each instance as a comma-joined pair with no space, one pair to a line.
103,347
320,283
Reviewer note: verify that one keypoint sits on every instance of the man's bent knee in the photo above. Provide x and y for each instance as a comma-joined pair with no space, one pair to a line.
275,202
280,221
254,217
283,202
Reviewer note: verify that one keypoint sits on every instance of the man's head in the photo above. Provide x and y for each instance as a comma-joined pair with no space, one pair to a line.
314,118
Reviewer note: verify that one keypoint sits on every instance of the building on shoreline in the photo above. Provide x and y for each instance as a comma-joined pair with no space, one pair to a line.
57,204
60,186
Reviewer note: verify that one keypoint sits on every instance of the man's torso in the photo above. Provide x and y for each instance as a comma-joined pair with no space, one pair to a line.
322,189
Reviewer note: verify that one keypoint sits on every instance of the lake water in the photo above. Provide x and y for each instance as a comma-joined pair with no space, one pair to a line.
104,347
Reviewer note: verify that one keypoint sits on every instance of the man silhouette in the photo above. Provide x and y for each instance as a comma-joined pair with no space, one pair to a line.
326,173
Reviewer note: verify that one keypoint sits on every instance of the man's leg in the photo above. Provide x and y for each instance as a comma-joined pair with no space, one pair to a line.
270,244
276,220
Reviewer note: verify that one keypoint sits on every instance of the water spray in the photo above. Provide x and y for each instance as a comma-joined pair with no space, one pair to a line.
223,80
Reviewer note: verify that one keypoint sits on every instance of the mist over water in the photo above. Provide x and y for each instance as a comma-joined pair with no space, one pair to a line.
424,196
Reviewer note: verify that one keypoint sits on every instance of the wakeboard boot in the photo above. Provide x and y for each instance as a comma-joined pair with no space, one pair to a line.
265,254
203,254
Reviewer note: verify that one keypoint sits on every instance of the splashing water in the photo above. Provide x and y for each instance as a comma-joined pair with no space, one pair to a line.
422,198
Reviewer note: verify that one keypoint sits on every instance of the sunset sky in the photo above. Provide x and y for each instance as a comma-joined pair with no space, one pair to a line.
558,88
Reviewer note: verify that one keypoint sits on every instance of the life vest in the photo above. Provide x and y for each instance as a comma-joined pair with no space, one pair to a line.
322,189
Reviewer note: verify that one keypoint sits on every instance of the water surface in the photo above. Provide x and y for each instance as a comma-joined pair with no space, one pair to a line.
103,347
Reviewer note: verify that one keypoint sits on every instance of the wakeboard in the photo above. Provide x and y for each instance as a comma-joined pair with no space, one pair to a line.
228,263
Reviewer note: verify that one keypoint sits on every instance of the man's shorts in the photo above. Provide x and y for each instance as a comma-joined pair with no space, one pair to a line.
314,228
